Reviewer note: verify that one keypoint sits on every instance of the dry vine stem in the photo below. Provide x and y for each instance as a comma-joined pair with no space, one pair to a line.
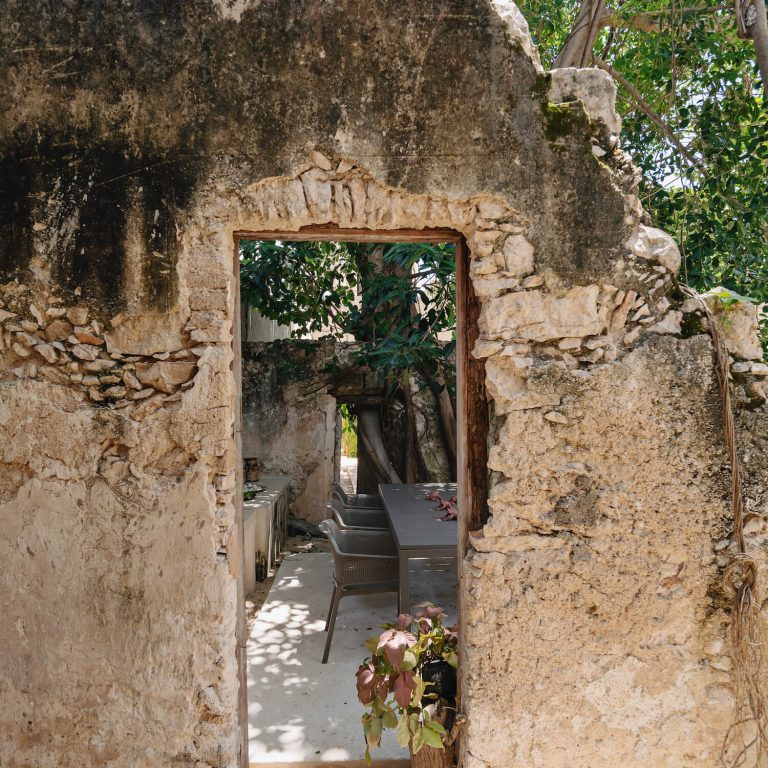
748,732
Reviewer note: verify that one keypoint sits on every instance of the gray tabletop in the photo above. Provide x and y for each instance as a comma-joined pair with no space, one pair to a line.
414,520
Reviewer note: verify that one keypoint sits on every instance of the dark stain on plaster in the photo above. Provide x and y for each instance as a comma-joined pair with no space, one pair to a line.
16,204
432,97
79,205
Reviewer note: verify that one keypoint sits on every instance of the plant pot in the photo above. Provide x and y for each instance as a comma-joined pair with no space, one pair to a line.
442,676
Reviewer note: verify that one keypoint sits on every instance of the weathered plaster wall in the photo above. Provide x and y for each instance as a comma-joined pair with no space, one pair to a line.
136,139
289,419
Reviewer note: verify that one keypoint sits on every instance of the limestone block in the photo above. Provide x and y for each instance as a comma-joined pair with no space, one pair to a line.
518,256
494,286
148,334
58,330
737,322
486,349
295,199
538,316
85,352
77,315
508,387
47,352
517,28
317,190
165,376
209,299
594,88
655,245
670,323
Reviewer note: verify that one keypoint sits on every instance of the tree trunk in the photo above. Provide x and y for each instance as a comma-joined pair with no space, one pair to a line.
369,433
429,757
444,712
410,431
577,49
758,33
448,417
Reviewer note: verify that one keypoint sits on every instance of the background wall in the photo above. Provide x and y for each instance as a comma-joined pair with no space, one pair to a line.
290,420
136,139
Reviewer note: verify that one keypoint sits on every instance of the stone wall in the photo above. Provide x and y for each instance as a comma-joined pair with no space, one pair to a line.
136,141
290,420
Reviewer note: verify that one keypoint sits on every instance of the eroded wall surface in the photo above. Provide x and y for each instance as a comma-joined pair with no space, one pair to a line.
136,140
290,419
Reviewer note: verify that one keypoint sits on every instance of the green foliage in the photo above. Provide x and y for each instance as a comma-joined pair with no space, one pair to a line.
702,81
391,682
301,284
348,431
393,299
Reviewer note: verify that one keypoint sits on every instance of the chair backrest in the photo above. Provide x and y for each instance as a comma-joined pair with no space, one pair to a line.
337,492
346,543
358,518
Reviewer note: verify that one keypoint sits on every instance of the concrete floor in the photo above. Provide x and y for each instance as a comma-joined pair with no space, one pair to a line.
301,711
348,474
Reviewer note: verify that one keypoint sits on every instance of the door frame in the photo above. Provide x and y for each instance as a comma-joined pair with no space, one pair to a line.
472,411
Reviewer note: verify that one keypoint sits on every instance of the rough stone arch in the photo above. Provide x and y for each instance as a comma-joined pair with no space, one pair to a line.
596,620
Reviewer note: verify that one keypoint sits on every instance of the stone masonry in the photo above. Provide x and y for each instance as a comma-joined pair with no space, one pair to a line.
137,140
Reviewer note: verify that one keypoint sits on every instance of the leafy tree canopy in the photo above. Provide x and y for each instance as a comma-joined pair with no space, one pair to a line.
393,299
695,121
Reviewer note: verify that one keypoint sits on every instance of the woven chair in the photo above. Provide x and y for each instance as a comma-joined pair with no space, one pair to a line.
367,500
361,518
364,562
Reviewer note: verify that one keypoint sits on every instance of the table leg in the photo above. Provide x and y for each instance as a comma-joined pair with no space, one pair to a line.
403,595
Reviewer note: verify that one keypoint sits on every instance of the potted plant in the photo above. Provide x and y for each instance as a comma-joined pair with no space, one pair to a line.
408,683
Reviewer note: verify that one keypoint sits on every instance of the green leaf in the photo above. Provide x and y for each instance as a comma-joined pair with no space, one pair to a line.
432,738
410,660
389,718
436,727
372,644
403,733
417,742
372,728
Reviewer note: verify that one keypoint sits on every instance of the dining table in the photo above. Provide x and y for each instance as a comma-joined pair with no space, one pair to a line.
417,529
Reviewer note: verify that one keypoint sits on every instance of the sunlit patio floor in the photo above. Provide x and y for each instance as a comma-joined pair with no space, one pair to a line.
301,711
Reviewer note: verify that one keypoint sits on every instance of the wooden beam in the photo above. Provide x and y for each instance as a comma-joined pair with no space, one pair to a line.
337,764
332,233
472,406
357,399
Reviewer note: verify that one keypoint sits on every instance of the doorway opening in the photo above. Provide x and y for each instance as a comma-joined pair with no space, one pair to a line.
393,382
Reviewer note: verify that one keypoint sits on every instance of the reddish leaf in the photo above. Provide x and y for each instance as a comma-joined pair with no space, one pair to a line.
383,685
404,621
394,642
366,681
429,611
404,685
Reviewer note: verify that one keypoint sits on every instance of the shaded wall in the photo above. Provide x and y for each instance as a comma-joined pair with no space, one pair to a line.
290,420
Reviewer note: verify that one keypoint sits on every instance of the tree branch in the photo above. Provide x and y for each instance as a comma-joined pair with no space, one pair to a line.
648,111
753,24
649,21
578,46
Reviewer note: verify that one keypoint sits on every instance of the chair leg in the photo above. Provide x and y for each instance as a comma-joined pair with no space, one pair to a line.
330,607
331,622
